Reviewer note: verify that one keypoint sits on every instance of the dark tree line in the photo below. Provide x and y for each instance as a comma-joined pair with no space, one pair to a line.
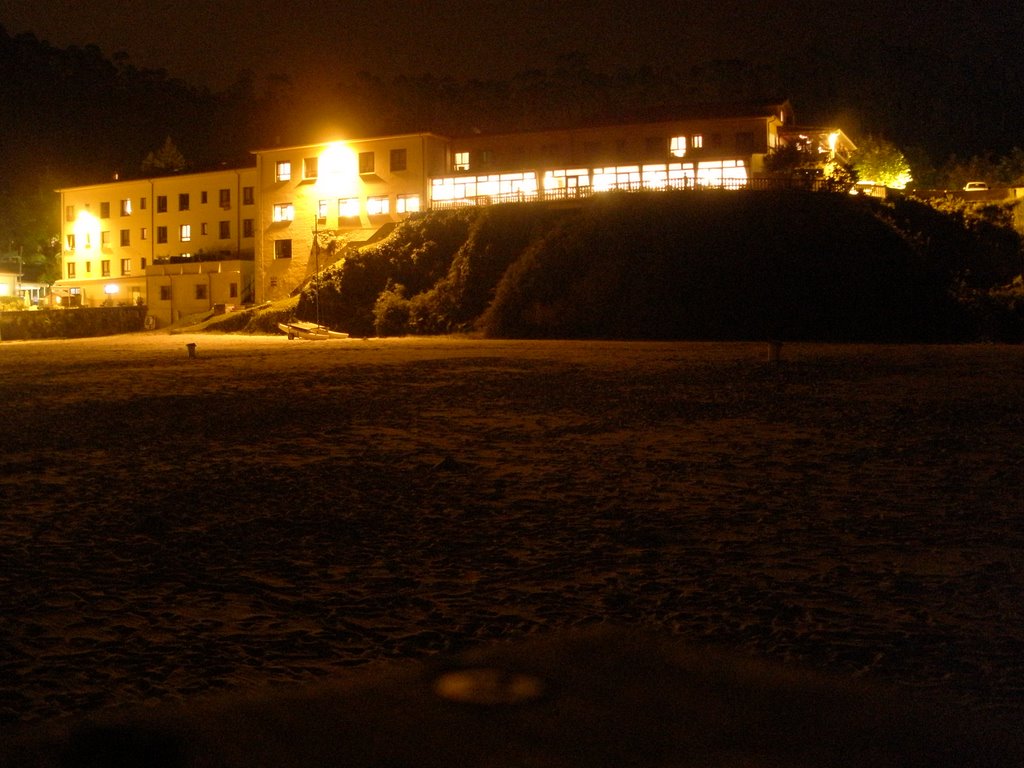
73,115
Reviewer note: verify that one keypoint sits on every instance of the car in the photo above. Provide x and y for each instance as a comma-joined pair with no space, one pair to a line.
975,186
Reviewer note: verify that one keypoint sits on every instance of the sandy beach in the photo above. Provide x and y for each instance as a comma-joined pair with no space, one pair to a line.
278,511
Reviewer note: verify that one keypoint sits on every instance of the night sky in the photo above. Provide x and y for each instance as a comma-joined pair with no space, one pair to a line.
322,42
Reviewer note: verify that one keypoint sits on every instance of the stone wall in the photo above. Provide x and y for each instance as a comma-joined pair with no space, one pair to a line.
71,323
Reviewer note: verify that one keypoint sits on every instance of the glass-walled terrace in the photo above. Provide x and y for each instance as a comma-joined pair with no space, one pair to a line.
569,183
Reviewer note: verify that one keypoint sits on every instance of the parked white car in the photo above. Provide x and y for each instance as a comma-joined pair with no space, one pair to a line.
975,186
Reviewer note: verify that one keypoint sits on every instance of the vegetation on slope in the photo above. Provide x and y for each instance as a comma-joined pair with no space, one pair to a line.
715,265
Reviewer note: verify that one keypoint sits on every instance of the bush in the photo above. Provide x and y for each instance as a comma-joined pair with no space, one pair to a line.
391,312
715,264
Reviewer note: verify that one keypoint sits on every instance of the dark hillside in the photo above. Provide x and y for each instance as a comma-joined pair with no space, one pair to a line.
714,265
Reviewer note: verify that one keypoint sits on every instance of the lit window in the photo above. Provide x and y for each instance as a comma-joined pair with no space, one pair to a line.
283,171
697,141
366,163
126,266
376,206
310,166
348,208
462,161
186,233
282,249
126,207
126,238
284,212
183,201
408,203
677,146
399,160
144,233
321,210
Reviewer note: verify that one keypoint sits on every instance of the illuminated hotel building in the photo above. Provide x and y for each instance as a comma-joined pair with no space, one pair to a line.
185,243
179,244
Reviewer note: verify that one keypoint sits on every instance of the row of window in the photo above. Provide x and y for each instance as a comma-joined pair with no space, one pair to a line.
126,268
348,207
398,160
201,291
184,234
127,207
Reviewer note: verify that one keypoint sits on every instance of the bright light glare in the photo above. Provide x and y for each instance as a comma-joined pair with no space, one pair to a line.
338,169
86,229
110,289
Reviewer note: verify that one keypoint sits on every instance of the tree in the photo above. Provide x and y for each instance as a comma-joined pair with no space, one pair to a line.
167,159
881,162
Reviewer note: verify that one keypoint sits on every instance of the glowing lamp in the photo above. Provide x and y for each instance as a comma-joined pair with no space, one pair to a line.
338,169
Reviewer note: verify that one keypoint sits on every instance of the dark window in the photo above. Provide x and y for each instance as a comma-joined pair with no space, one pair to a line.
165,293
366,162
248,228
105,268
225,198
104,210
233,290
201,291
161,234
125,238
399,160
282,249
161,204
202,197
225,230
183,201
745,142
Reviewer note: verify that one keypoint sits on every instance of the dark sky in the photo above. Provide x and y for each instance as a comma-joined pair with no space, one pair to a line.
318,41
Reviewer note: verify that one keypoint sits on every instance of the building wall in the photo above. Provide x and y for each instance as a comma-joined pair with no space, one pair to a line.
8,283
112,233
178,290
339,190
731,138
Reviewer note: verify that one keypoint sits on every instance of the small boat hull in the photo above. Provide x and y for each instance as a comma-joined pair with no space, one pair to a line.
310,331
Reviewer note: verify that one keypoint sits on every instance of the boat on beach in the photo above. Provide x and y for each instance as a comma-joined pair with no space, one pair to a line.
310,331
